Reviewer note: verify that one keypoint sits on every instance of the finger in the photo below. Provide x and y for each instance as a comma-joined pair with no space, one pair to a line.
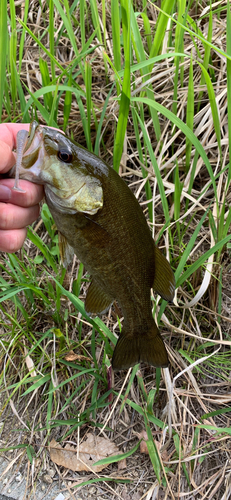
34,193
8,132
11,241
12,217
8,135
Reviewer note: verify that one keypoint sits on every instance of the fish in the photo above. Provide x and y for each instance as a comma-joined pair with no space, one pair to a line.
100,220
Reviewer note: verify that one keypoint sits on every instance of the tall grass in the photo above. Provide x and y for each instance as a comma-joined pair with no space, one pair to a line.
148,89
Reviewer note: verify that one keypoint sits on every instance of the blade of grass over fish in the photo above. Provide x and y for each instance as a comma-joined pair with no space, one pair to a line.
184,128
213,104
189,114
228,48
126,90
155,165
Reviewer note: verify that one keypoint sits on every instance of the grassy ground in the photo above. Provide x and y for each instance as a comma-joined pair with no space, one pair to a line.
147,87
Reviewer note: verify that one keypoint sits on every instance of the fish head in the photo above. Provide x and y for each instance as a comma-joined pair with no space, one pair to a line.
53,160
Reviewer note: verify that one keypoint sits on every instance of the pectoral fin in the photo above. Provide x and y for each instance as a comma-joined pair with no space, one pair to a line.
164,279
65,250
97,301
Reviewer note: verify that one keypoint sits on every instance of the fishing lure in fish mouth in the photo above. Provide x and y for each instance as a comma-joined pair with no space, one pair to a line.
100,220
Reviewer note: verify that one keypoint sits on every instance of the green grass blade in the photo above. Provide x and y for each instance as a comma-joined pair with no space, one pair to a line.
182,126
52,36
48,98
213,104
228,48
88,84
156,169
3,49
162,21
82,21
126,90
115,24
189,114
178,48
67,105
117,458
22,37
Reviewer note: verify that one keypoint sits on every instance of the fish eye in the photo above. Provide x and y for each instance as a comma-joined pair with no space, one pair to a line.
65,156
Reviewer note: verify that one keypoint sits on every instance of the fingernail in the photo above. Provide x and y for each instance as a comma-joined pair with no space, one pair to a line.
5,193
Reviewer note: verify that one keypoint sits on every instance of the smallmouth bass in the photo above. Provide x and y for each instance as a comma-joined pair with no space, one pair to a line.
99,219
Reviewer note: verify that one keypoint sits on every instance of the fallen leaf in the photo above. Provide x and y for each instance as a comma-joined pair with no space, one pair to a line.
71,356
143,445
122,464
90,451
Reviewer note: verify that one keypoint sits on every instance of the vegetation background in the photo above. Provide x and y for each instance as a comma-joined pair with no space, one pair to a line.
147,87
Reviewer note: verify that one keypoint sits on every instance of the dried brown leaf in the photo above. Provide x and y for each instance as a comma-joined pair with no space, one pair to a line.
71,356
143,446
90,451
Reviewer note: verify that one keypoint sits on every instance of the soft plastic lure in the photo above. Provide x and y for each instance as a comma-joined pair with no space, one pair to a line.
22,138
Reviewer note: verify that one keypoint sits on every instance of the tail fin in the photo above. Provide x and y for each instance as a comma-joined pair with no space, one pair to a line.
132,348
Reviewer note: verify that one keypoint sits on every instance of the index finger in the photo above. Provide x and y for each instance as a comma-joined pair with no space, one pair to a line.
8,135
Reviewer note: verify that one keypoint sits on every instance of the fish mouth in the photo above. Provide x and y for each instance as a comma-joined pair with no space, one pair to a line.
32,156
33,145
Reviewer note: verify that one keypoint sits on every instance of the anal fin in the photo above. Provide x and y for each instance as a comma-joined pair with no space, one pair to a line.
97,301
164,279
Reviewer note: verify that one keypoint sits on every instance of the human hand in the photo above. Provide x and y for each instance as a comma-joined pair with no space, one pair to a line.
17,210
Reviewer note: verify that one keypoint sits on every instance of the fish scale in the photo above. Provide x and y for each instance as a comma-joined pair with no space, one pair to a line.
102,221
